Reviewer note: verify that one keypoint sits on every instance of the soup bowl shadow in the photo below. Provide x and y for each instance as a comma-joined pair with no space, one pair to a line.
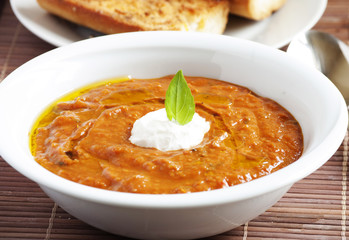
312,99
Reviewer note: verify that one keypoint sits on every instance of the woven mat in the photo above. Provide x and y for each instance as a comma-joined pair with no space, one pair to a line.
314,208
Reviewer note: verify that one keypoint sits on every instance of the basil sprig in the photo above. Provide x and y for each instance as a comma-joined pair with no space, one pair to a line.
179,102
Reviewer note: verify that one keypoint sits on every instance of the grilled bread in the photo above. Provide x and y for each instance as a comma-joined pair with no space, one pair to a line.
115,16
255,9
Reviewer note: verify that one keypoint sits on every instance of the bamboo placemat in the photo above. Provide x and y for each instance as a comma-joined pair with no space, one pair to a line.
314,208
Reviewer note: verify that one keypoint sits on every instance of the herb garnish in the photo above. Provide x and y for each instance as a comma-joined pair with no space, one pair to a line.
179,102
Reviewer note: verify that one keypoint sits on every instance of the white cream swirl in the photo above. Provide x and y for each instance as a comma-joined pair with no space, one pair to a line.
155,130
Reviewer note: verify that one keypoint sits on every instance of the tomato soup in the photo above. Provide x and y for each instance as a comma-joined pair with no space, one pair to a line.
84,137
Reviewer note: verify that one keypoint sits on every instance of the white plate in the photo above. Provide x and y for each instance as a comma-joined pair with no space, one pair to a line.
278,30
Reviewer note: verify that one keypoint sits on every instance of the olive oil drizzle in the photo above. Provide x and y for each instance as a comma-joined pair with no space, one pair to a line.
47,115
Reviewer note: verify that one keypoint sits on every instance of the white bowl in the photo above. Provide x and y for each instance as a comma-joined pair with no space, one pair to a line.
306,93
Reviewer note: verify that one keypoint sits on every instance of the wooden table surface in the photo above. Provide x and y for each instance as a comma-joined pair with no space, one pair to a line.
314,208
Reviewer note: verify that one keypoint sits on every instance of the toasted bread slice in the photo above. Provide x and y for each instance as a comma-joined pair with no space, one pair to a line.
115,16
255,9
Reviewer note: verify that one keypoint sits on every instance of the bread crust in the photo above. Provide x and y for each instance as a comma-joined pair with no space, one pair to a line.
255,9
115,16
86,17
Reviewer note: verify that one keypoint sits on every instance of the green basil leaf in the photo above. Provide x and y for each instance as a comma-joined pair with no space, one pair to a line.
179,102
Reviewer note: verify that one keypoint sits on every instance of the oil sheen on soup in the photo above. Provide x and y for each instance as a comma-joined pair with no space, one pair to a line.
84,137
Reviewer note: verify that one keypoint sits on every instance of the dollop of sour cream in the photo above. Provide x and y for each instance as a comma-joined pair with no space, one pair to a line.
155,130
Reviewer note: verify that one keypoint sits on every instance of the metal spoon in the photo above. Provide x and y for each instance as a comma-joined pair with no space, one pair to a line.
327,53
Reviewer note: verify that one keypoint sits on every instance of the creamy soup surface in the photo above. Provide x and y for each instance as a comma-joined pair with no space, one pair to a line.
86,138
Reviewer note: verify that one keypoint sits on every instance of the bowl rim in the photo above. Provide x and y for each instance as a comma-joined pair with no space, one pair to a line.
260,186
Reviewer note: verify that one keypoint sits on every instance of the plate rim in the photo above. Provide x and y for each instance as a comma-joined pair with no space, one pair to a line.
58,40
